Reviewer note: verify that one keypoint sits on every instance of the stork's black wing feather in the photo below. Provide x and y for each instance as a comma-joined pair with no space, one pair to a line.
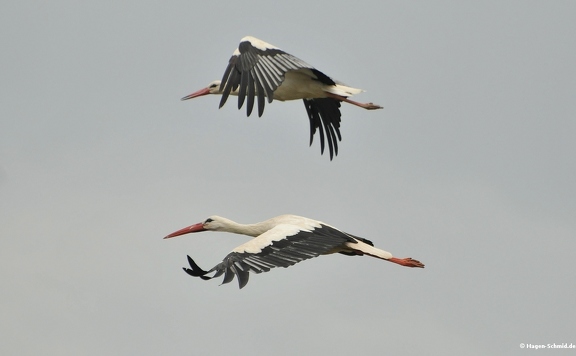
325,112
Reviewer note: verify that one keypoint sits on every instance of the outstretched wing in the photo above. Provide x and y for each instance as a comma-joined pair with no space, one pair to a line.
281,246
256,69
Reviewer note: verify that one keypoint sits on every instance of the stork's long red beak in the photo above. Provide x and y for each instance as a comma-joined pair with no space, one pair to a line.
188,229
196,94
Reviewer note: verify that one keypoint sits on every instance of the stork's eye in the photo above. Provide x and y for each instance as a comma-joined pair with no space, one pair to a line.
213,86
208,220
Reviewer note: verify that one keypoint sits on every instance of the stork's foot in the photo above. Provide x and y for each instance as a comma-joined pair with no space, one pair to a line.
371,106
407,262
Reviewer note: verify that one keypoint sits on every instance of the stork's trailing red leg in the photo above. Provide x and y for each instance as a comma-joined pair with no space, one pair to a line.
407,262
367,106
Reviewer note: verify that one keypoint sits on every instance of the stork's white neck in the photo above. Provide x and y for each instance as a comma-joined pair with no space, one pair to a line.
227,225
248,229
253,230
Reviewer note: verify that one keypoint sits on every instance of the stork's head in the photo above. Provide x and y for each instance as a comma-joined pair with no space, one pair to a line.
212,88
213,223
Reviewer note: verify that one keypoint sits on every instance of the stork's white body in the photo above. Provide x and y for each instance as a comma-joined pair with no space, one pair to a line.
281,241
302,84
280,227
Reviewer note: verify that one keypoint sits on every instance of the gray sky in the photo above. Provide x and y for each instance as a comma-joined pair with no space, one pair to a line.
469,168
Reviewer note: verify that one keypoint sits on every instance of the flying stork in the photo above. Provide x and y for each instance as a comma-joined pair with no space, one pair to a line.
259,70
281,242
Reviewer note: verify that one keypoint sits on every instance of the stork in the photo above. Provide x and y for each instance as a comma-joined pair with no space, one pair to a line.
281,242
259,70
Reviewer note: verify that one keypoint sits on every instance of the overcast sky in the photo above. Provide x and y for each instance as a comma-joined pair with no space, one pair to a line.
470,168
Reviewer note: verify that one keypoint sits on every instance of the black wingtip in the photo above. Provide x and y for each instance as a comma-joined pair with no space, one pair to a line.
243,277
195,270
222,101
